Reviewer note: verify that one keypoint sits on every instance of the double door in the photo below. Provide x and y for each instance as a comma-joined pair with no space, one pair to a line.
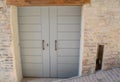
50,40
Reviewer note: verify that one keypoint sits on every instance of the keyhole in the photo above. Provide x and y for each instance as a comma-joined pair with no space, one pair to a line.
47,44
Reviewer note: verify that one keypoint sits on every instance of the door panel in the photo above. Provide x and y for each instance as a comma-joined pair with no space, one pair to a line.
69,10
32,59
30,69
34,27
68,36
69,28
29,28
31,44
67,70
65,28
68,52
30,36
69,60
68,44
29,11
30,20
69,20
31,51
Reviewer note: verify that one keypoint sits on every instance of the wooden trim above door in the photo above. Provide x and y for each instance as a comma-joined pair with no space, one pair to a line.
47,2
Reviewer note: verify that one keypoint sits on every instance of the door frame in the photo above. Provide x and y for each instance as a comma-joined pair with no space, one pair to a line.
16,44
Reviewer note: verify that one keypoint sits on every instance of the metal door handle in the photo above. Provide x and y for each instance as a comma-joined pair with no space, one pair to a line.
43,42
56,45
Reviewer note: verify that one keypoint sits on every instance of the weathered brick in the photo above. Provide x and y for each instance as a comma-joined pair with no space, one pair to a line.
6,58
102,26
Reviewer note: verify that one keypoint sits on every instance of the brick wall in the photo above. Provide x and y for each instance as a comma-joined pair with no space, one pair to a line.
6,59
101,26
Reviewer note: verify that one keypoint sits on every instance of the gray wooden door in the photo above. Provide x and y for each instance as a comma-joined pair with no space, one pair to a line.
65,23
34,35
57,29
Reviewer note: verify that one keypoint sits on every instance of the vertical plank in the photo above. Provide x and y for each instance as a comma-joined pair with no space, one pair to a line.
45,37
53,37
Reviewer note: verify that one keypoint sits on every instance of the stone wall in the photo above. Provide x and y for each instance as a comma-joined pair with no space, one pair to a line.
7,73
101,26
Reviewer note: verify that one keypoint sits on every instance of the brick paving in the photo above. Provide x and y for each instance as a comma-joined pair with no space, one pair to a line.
101,76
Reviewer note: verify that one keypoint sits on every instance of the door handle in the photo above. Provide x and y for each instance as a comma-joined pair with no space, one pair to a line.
56,45
43,42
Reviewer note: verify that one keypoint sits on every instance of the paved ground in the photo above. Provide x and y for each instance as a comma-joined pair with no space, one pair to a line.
39,79
101,76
